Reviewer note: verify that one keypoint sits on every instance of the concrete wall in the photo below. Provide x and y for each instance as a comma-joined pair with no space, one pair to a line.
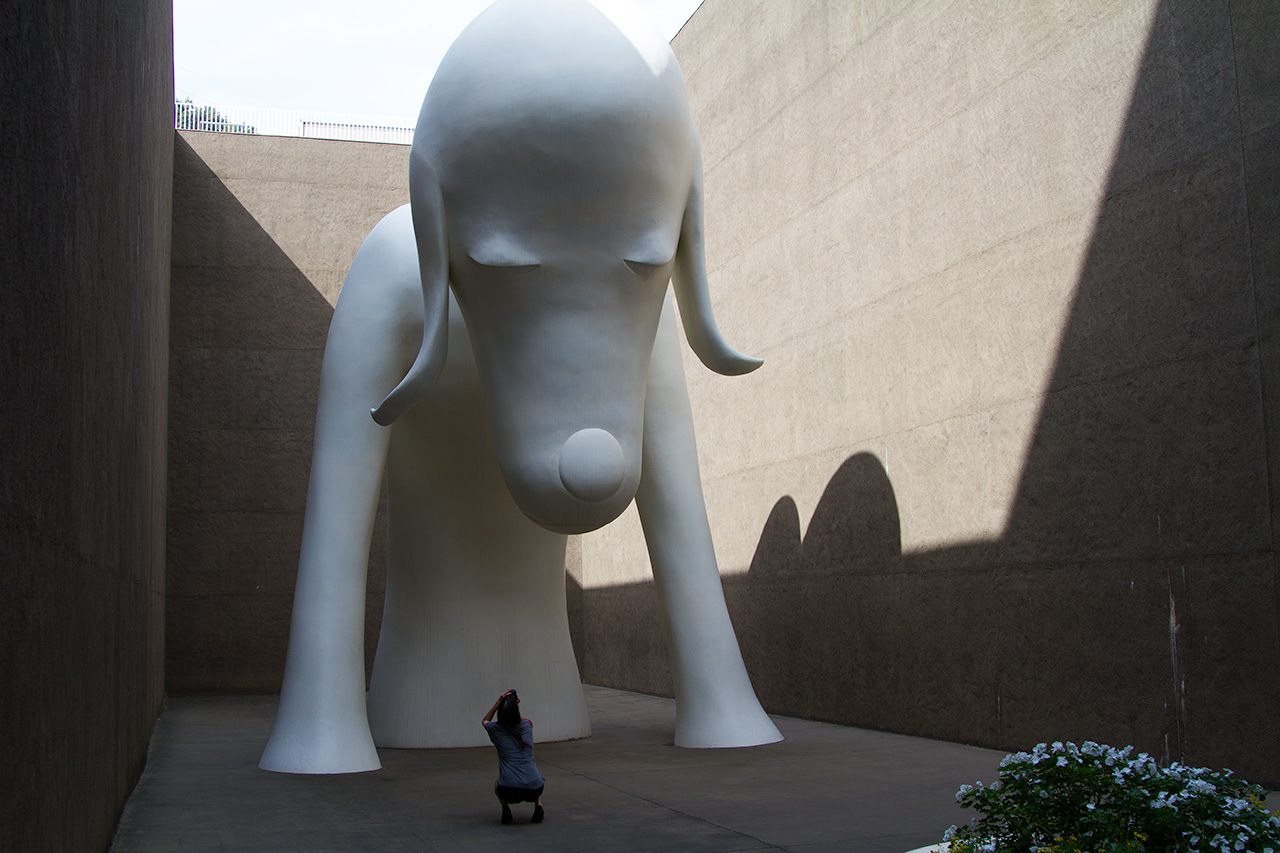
264,229
1009,471
85,173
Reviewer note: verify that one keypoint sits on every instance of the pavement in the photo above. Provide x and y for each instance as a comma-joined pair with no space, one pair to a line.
626,788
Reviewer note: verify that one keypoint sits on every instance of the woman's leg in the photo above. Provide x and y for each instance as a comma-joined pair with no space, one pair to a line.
506,809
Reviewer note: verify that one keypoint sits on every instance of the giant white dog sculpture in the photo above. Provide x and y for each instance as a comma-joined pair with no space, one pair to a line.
556,189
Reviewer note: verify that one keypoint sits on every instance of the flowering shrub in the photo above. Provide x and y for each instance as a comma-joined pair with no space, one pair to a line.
1060,798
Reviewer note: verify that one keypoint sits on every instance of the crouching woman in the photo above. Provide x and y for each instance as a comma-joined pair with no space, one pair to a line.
518,778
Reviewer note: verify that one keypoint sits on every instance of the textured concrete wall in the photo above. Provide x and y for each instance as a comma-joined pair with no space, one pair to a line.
85,172
1004,475
264,229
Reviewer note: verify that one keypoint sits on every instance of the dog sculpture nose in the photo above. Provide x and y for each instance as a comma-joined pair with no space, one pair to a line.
591,464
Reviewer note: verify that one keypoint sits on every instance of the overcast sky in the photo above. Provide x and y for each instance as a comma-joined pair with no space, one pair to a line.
366,57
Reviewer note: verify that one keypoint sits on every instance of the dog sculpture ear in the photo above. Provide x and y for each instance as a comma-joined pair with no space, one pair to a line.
689,279
433,266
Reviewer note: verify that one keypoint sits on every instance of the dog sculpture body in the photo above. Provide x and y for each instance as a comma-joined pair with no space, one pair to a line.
513,327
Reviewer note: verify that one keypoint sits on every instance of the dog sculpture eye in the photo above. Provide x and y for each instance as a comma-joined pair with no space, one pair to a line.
501,254
513,270
646,269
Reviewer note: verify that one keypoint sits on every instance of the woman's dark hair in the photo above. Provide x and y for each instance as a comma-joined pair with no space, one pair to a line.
509,716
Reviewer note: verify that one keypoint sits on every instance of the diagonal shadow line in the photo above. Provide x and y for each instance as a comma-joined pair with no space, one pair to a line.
247,339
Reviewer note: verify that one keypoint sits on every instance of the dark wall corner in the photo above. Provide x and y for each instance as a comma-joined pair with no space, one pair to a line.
85,209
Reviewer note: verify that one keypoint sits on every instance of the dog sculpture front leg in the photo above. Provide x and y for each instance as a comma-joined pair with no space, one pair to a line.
715,703
321,725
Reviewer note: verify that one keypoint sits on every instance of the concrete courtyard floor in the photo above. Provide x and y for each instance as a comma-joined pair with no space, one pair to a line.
626,788
824,788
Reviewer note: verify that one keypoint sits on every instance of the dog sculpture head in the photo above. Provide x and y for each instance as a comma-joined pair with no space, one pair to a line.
556,185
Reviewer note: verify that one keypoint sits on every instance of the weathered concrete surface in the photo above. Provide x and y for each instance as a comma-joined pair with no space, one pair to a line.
1004,475
625,788
264,229
85,176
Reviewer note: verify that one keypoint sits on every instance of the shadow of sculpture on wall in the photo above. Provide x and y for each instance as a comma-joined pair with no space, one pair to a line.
797,609
854,529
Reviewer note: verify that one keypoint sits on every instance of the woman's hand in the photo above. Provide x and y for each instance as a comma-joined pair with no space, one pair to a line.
494,709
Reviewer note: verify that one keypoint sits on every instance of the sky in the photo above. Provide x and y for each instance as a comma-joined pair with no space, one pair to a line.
361,57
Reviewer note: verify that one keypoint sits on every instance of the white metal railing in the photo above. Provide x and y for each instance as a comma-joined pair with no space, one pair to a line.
263,121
